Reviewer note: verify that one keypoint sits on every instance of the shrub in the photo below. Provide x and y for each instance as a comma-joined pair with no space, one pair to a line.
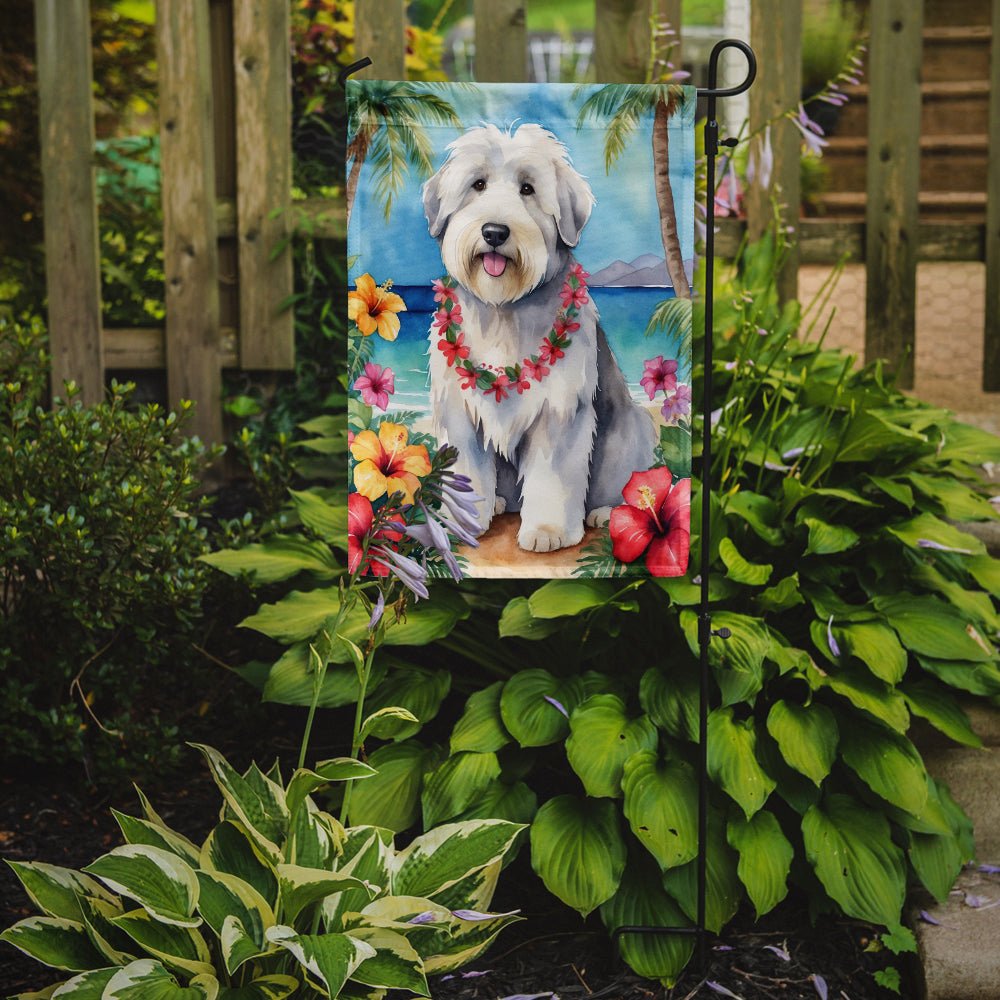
280,899
99,540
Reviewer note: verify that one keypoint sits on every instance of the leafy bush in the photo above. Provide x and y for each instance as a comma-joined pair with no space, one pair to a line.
99,539
279,899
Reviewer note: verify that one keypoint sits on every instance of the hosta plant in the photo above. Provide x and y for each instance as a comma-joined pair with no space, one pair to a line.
279,900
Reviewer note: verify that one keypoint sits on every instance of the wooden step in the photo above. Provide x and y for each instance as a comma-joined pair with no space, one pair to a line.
947,106
940,13
967,206
956,53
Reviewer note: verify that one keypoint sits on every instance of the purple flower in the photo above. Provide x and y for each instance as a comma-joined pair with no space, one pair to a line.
475,915
376,385
820,983
557,704
831,642
427,917
432,535
677,405
377,612
811,132
760,166
927,543
409,572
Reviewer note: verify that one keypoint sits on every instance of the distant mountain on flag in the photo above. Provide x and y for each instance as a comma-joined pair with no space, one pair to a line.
648,269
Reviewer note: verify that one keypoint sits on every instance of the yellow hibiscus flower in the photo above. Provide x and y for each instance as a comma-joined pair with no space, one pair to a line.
386,464
373,307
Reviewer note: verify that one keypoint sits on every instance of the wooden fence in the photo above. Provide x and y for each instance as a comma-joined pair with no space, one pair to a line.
226,161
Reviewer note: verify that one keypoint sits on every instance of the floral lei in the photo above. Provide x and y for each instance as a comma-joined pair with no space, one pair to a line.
495,380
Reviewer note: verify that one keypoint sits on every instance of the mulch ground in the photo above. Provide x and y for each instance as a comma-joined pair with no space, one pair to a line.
550,953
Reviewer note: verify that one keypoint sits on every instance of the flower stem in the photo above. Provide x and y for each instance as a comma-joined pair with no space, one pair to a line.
357,740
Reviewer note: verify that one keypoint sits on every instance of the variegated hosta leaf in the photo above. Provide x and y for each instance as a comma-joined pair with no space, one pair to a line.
395,964
367,853
481,728
54,941
578,851
661,805
441,857
160,882
315,838
274,987
304,782
116,946
807,736
256,801
224,898
149,980
642,902
141,831
86,986
466,942
230,849
732,760
475,891
329,959
850,847
602,737
177,947
765,858
56,891
300,887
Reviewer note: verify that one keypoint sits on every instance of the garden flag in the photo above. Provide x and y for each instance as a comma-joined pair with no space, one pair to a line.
520,263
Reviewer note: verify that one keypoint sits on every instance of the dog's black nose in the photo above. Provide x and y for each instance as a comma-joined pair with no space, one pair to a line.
495,234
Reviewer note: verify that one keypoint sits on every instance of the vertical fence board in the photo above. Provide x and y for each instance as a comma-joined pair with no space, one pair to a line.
261,41
501,41
190,253
621,40
380,34
893,183
776,34
991,332
668,15
72,256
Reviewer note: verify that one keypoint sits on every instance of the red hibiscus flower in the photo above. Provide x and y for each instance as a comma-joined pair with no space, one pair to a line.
534,369
550,352
573,298
469,377
453,350
450,312
443,292
360,521
499,387
655,519
562,327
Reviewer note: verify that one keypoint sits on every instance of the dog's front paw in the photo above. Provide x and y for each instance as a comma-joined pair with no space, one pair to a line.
598,516
500,506
547,537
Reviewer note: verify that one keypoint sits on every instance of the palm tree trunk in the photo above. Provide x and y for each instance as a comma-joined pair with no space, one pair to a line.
357,150
665,202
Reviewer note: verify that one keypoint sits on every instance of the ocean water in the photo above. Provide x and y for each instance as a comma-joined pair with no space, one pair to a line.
624,312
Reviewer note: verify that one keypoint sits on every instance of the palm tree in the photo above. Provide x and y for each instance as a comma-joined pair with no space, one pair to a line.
624,105
387,119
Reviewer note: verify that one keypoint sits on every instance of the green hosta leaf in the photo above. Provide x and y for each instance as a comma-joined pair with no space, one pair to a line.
517,620
395,964
866,692
481,728
602,738
928,528
941,709
828,539
456,784
147,979
141,831
516,803
888,763
641,901
304,782
560,598
279,558
937,859
931,628
870,436
765,858
330,959
425,622
965,443
230,849
578,851
440,858
391,798
275,987
975,605
738,569
225,897
850,847
738,662
385,723
894,489
661,799
785,594
807,736
418,691
760,512
723,889
527,711
976,678
986,571
292,680
54,941
180,948
876,646
328,520
56,891
159,881
957,501
260,809
671,700
732,760
301,887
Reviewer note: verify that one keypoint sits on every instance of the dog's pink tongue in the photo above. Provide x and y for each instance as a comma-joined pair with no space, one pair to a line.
494,263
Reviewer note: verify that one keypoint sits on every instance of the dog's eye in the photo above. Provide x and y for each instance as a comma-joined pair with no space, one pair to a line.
527,189
479,185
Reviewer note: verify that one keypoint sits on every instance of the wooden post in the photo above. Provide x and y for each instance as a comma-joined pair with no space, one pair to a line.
776,34
893,183
261,56
501,38
380,34
991,333
72,255
621,40
190,253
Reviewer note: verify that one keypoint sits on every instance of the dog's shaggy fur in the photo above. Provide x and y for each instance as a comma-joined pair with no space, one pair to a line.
560,453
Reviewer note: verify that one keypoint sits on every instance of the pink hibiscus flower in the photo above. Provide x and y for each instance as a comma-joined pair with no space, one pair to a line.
562,327
573,298
442,292
376,385
450,312
534,369
658,374
656,520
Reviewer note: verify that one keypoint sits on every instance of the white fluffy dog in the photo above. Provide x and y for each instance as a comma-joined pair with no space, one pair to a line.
559,444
